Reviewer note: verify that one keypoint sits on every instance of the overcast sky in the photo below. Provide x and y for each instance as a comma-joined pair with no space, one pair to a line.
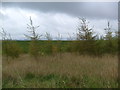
57,17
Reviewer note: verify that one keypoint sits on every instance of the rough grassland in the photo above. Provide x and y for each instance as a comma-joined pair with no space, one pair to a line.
60,71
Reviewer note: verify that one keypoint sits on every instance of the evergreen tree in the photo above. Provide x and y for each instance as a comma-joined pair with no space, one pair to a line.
86,37
34,37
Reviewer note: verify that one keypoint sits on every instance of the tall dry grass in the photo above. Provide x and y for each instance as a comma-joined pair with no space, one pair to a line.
67,64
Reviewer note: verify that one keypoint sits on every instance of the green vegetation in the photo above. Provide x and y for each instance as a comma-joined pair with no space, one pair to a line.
86,43
61,71
10,48
57,81
98,47
88,61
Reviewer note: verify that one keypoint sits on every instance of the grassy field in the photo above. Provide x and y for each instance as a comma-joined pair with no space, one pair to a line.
66,70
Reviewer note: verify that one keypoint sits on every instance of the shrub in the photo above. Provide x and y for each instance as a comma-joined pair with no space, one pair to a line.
34,48
11,49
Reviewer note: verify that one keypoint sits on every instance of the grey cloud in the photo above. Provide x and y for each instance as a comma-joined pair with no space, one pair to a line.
104,10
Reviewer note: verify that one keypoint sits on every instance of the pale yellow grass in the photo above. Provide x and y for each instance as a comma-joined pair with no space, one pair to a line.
64,64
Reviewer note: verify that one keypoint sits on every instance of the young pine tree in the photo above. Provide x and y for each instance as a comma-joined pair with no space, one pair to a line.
34,37
110,45
84,32
86,38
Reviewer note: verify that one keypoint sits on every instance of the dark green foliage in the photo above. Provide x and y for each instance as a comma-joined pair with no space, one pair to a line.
57,81
111,47
59,46
29,76
11,48
48,47
99,47
95,47
85,47
24,45
34,48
